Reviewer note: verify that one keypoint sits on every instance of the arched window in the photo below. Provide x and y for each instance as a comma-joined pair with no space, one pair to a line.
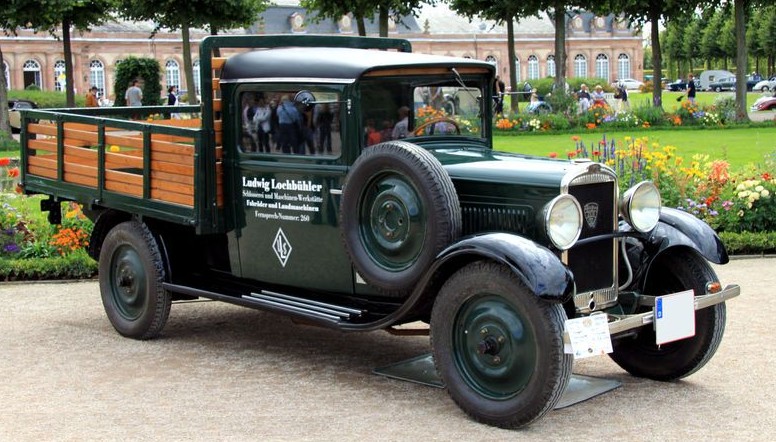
602,67
197,85
59,75
173,72
7,75
97,76
533,67
580,66
551,66
492,60
518,75
31,70
623,66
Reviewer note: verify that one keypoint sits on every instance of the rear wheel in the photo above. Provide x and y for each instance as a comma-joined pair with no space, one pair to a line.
131,275
764,89
497,347
640,356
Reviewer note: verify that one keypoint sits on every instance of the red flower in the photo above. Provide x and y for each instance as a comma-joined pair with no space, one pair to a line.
766,176
13,173
596,153
553,155
571,154
5,161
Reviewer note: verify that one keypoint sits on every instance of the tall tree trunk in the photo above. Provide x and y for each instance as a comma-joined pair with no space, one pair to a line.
560,46
360,25
214,31
69,74
657,73
741,61
383,20
188,68
512,68
5,123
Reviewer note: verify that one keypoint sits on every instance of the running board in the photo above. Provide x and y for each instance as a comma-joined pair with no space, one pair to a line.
293,304
328,314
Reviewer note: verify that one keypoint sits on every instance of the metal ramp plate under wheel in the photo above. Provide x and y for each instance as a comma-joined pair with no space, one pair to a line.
421,370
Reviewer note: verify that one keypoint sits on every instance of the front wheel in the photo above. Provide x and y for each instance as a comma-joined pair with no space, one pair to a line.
131,275
497,347
640,356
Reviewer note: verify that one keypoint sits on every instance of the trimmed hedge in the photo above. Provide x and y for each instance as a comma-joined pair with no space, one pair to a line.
77,265
749,243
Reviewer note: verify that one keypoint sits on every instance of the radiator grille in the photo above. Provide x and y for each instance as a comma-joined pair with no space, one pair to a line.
595,264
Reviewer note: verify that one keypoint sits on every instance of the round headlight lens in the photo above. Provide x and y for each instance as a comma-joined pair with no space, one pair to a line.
641,206
563,221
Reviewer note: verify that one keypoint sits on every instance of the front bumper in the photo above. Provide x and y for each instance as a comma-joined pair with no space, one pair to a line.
620,324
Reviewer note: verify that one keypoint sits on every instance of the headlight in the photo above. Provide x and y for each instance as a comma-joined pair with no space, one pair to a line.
563,221
641,206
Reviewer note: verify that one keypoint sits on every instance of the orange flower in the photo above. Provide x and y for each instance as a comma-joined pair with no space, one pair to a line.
596,153
5,161
575,138
553,154
571,154
591,125
13,172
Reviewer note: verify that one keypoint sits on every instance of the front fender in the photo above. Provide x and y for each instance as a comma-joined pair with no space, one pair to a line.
541,271
679,228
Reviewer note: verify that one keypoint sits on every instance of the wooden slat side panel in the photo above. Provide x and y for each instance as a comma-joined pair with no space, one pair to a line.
42,171
172,197
77,178
42,129
217,62
47,145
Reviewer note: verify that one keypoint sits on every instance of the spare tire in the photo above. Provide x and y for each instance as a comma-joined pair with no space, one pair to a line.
399,209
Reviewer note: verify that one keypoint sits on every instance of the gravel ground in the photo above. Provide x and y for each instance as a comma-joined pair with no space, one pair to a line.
221,372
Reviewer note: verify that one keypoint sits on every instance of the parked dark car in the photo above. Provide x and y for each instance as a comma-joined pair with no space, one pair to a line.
681,85
14,105
723,84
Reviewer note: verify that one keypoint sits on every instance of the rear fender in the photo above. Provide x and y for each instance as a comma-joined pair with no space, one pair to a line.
538,267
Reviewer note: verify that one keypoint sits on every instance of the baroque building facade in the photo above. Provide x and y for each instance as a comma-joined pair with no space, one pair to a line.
604,47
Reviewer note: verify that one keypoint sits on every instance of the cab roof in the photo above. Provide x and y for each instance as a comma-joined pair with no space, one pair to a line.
336,63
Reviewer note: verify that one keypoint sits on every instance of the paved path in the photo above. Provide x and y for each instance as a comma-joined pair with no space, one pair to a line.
221,372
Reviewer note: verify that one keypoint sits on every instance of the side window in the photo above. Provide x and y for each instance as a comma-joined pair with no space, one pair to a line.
273,123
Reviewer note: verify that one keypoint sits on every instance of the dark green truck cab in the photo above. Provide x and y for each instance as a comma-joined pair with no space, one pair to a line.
352,183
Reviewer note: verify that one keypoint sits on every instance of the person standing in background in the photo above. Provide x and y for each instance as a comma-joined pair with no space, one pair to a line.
91,97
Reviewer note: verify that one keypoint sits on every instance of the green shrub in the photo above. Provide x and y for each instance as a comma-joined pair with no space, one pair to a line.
651,114
749,243
7,143
77,265
32,87
147,70
46,99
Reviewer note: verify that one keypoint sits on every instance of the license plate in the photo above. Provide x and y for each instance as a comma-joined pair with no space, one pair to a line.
674,317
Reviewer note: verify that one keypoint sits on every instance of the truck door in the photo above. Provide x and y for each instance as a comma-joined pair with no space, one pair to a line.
289,171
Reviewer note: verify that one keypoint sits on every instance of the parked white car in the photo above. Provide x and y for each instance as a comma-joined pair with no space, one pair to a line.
765,85
629,83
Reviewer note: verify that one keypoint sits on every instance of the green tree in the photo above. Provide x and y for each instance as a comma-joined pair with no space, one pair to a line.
767,37
504,12
50,16
673,47
652,12
711,45
690,36
176,15
362,9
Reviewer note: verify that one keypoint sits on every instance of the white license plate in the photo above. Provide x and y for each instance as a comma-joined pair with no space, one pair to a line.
674,317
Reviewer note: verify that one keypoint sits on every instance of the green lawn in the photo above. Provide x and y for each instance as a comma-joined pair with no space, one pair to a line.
703,98
738,146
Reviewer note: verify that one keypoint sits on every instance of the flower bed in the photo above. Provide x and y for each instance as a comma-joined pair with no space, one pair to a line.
729,201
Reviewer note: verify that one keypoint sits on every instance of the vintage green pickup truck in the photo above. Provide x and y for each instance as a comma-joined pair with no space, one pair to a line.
353,184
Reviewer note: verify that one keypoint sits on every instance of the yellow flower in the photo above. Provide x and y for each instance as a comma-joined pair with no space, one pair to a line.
114,148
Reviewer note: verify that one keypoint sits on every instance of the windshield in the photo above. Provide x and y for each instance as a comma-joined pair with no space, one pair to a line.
396,108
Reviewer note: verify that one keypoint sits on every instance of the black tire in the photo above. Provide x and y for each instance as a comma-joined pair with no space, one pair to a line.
497,347
764,89
131,273
399,210
640,356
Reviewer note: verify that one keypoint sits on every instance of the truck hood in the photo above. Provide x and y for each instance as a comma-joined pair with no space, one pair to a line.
488,166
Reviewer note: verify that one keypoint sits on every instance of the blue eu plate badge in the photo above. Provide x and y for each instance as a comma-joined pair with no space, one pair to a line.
674,317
